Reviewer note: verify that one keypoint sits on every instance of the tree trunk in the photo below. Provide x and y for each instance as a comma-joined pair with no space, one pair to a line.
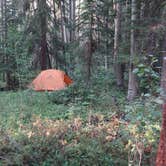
8,72
106,19
2,22
63,29
161,153
43,26
78,19
118,66
132,84
90,52
2,34
63,22
72,19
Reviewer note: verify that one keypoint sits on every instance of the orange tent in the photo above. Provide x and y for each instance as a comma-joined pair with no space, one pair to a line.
50,80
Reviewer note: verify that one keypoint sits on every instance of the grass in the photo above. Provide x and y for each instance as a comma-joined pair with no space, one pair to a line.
37,131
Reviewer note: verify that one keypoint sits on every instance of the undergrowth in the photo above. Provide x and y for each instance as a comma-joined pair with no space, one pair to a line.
83,129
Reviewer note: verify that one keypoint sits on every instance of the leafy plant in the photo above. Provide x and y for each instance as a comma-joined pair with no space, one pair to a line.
148,78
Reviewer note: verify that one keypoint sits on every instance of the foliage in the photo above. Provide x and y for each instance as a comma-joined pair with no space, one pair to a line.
83,124
149,77
80,93
143,129
34,130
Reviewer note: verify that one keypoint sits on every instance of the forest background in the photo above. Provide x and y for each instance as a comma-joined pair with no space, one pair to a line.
113,51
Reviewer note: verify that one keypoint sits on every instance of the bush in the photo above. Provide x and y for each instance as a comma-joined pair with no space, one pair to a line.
72,94
149,78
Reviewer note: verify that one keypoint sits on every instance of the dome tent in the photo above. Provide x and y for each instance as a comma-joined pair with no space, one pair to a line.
51,80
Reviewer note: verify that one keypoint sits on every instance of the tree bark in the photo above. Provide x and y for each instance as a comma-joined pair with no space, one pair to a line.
63,22
132,84
90,51
2,21
78,19
161,153
8,73
43,26
72,4
118,69
2,34
106,19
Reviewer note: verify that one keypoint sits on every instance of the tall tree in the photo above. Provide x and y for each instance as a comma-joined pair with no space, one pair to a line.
43,26
8,71
86,32
65,36
72,15
2,35
118,66
132,84
161,154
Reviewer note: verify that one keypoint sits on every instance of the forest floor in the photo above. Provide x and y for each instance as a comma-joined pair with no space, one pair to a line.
34,130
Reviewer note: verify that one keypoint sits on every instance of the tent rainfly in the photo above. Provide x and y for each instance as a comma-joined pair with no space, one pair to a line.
51,80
